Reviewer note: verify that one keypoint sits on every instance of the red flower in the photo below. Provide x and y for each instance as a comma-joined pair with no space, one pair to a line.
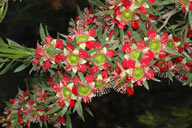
43,118
89,79
31,102
82,68
72,103
61,119
110,53
61,103
135,24
59,44
150,74
130,91
93,70
126,48
48,39
70,47
83,54
190,5
47,64
151,1
151,33
143,10
92,32
105,74
90,44
145,63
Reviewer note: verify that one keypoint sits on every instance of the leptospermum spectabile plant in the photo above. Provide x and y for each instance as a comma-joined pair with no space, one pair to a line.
114,44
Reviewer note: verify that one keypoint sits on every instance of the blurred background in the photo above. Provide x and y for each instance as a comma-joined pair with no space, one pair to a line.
166,105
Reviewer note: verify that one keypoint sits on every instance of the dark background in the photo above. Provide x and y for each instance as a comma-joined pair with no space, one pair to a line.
113,110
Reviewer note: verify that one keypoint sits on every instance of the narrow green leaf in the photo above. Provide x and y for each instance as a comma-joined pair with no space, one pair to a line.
97,3
21,68
14,44
146,85
68,120
8,67
2,16
190,17
42,32
64,110
79,109
78,10
170,75
172,52
14,123
109,12
109,62
82,78
121,35
54,109
155,79
89,111
2,43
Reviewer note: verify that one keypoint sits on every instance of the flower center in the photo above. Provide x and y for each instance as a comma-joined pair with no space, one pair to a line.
99,84
99,59
170,45
139,1
66,92
127,15
49,53
155,46
84,90
135,54
73,59
81,39
138,73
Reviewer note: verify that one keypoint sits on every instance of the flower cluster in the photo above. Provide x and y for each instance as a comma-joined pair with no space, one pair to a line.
117,46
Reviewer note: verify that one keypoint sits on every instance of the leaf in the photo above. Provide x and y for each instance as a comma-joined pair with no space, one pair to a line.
64,110
110,63
170,75
2,43
68,121
21,68
97,3
53,110
79,109
2,16
14,44
82,78
190,17
121,35
89,111
146,85
172,52
78,10
8,67
55,51
14,123
42,32
109,12
155,79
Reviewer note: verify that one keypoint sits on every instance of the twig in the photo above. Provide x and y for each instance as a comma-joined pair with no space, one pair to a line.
167,16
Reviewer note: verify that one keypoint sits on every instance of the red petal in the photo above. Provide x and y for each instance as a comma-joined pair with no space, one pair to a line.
92,32
59,44
83,54
90,44
151,33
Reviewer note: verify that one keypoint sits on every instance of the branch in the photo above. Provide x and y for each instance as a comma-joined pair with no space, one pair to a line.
167,16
